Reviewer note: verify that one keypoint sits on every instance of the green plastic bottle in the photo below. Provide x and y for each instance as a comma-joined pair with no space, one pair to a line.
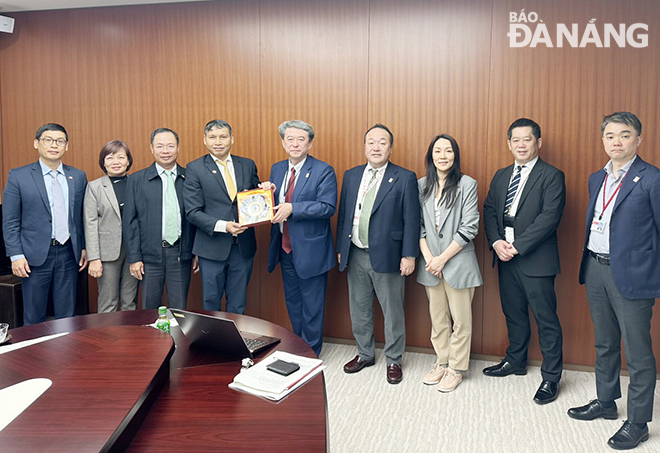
163,323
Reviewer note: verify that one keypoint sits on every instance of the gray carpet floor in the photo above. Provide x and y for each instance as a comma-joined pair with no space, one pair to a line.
484,414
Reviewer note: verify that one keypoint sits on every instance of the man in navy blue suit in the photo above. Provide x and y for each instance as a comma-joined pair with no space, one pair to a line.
225,248
378,240
621,269
301,236
42,226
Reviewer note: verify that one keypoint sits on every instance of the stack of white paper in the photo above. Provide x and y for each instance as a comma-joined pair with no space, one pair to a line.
260,381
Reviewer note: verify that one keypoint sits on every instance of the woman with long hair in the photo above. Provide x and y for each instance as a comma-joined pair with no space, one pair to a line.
449,270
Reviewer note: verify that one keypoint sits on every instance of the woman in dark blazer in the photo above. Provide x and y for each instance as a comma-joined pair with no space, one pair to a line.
449,268
106,252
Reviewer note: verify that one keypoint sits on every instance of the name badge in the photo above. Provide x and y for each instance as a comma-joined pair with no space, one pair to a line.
597,226
509,234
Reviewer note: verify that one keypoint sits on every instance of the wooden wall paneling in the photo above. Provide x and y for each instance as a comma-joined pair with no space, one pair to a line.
421,68
566,90
428,74
313,67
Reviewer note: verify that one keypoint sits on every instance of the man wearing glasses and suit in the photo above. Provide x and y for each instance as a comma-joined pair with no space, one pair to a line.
46,254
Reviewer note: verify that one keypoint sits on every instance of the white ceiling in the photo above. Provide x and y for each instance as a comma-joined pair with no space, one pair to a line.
7,6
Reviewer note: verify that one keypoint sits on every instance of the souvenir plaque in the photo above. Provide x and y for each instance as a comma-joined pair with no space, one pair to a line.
255,207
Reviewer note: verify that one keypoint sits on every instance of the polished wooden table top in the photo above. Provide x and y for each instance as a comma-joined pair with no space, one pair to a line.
196,411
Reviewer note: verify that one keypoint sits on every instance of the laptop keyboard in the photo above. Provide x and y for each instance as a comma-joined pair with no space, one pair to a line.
253,344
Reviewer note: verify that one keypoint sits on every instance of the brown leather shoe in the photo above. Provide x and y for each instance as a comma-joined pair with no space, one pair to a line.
357,364
394,373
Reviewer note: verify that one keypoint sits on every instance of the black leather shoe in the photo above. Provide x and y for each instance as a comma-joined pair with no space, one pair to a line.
628,436
504,368
592,411
394,373
357,364
547,392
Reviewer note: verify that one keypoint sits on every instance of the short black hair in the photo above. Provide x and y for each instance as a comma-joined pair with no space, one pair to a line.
160,130
217,124
51,127
380,126
112,147
627,118
525,122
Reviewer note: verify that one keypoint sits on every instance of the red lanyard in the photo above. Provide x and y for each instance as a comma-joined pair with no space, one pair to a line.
605,205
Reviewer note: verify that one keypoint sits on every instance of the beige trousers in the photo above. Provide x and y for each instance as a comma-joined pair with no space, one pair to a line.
449,306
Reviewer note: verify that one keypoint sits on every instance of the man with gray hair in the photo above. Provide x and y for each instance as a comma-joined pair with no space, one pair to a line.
301,237
224,247
621,269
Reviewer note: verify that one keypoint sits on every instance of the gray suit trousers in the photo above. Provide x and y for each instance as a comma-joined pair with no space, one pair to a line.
117,284
614,317
363,284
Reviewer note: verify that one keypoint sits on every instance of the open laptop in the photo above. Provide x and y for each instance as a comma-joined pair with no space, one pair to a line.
220,334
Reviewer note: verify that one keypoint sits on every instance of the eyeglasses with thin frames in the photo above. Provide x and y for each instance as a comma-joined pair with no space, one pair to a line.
49,141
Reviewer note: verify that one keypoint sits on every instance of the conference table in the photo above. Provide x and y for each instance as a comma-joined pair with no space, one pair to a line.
117,386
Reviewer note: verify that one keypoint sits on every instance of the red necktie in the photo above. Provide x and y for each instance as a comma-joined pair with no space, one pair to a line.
286,239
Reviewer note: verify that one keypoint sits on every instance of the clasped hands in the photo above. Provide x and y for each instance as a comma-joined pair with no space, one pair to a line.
505,250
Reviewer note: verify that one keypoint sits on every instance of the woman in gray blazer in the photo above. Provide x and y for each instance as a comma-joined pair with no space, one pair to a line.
449,268
106,253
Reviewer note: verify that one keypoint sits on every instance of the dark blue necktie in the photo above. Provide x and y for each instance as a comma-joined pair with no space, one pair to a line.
513,188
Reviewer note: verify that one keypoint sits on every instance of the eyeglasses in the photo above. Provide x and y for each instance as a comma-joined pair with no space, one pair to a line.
170,147
49,141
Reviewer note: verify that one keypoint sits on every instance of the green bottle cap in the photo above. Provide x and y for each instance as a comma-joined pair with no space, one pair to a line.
162,310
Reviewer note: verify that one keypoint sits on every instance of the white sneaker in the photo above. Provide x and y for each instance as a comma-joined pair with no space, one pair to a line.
435,375
450,381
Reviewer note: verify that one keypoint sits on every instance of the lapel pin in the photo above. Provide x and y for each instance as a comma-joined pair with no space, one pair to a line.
390,180
214,171
307,175
71,177
636,179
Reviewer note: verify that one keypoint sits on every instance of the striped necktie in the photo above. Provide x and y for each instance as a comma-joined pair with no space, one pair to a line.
513,188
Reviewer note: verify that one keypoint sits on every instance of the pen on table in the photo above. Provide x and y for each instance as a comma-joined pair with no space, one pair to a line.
303,377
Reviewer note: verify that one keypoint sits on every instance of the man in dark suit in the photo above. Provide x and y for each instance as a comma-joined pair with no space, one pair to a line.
224,247
158,237
46,254
301,236
378,239
522,211
621,269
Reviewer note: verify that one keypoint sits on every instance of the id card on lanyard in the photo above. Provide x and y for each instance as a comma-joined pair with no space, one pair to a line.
598,224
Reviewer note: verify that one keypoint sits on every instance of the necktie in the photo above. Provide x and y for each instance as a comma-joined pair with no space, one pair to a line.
513,188
61,223
171,210
231,187
288,195
367,206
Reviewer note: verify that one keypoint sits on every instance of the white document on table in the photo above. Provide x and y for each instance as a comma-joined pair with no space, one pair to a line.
23,344
18,397
260,381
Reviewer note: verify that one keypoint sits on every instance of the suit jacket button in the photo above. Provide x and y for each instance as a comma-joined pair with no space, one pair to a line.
440,235
350,235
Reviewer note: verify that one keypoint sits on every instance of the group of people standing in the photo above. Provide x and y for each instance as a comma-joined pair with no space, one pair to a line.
160,223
